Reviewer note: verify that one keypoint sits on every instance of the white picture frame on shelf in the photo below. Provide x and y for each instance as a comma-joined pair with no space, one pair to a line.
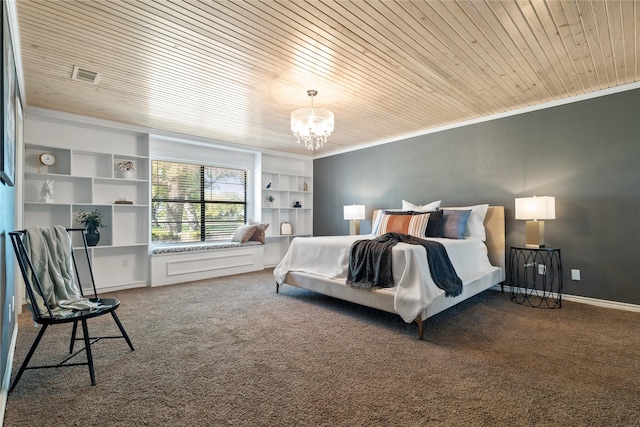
285,229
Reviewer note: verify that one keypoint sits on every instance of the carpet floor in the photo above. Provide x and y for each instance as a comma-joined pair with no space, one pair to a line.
230,351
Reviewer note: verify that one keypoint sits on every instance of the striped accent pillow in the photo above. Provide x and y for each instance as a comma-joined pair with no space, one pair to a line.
413,225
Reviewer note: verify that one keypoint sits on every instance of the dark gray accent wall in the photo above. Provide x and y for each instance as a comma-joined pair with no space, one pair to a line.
586,154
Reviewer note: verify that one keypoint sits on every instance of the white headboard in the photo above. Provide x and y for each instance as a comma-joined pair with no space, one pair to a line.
494,227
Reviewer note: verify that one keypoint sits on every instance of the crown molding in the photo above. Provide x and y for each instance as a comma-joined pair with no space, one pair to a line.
61,116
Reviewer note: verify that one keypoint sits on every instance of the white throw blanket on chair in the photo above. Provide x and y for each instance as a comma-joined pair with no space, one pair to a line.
50,249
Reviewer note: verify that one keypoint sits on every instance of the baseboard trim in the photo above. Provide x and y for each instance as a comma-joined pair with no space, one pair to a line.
602,303
588,300
4,394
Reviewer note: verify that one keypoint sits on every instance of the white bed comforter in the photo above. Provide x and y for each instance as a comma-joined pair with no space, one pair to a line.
328,256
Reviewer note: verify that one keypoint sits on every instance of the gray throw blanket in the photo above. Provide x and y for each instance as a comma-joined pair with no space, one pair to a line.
370,263
50,249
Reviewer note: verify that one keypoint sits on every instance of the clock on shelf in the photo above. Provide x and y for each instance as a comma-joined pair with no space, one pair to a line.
47,159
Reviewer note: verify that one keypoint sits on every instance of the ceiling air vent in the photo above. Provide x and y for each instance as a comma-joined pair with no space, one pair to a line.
85,75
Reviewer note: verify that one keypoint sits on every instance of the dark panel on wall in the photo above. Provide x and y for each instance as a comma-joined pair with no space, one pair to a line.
7,275
586,154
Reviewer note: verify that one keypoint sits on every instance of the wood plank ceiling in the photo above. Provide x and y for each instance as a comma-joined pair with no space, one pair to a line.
234,70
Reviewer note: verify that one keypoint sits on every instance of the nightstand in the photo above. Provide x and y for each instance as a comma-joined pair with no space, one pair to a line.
536,276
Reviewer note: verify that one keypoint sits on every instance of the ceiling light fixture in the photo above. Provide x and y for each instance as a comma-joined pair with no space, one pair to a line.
312,126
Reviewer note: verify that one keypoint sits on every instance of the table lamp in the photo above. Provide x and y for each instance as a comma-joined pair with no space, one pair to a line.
533,210
354,213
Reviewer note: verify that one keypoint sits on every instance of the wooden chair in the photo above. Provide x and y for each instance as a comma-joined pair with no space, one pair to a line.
46,316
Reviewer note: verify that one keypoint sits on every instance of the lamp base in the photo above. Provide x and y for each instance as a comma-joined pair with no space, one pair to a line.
535,234
354,227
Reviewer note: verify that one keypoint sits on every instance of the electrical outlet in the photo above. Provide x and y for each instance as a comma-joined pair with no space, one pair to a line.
125,263
542,269
575,274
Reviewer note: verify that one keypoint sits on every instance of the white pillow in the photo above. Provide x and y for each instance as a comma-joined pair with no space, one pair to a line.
475,223
408,206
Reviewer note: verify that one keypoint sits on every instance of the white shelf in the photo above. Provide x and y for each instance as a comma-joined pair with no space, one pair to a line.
291,181
90,164
86,179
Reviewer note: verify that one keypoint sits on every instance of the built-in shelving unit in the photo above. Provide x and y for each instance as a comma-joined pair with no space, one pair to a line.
287,181
86,176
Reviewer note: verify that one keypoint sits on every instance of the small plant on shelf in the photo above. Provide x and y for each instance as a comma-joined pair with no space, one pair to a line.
91,220
126,166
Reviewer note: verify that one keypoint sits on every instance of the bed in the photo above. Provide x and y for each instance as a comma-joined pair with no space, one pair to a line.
320,264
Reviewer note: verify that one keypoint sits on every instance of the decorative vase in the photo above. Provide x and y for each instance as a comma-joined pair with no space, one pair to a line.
127,169
93,236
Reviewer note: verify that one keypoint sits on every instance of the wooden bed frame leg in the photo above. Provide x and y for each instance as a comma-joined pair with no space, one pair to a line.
277,288
420,323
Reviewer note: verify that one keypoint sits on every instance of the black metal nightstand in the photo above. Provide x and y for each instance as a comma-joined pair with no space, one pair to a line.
536,276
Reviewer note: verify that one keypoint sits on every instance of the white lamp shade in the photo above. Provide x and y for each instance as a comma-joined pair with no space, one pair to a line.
535,208
354,212
312,120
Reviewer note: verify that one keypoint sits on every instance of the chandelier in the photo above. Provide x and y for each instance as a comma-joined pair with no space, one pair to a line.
312,126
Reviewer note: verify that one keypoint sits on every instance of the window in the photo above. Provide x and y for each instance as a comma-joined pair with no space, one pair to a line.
196,203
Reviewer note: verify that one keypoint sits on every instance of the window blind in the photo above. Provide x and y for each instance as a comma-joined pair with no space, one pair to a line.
196,203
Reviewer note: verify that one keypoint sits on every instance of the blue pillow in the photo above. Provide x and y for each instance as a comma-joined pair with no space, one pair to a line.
454,223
